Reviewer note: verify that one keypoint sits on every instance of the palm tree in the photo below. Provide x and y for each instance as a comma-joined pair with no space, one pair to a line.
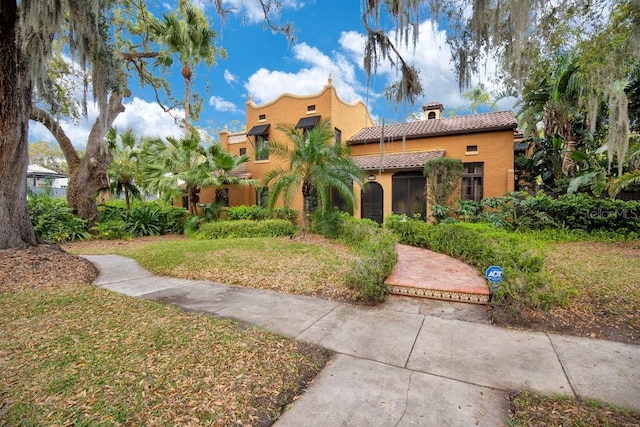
479,96
125,165
316,165
183,166
190,38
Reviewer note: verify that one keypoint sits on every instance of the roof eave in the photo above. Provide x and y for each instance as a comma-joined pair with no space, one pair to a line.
434,134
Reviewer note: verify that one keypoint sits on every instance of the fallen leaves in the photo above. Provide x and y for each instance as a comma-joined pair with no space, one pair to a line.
77,354
534,410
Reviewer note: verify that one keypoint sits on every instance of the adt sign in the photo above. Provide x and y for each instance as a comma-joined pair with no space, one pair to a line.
494,274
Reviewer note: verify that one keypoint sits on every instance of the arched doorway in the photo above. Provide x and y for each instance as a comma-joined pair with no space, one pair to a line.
371,203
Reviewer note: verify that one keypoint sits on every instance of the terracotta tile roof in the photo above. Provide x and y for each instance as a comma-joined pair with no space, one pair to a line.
450,126
239,172
410,160
434,105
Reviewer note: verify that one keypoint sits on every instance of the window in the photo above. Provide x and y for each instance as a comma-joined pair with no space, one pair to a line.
311,108
243,151
431,115
408,194
338,202
185,202
262,196
222,197
338,136
262,117
472,181
472,149
262,147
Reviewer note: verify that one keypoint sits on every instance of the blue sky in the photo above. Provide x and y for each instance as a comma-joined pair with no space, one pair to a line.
329,41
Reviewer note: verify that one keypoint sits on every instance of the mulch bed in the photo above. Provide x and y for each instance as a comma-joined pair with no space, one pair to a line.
42,267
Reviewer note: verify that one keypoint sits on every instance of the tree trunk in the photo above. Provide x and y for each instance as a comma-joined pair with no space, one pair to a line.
87,176
16,230
126,197
91,175
186,74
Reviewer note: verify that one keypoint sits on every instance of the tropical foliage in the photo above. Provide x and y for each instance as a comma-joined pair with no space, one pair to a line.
443,179
182,166
125,169
316,165
188,37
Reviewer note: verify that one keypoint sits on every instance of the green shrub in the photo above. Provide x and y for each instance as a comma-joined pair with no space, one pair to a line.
572,212
246,228
410,231
145,218
54,221
326,223
376,257
112,229
286,214
582,212
252,213
172,218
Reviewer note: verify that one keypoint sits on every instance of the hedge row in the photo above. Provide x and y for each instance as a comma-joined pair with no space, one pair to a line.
482,245
258,213
246,228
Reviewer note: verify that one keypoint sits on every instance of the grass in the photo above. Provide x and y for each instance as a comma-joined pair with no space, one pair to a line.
78,355
308,266
598,270
534,410
603,278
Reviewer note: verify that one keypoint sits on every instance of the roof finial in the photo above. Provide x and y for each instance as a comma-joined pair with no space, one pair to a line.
330,83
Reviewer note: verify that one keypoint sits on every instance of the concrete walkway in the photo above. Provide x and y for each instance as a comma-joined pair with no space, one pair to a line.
407,362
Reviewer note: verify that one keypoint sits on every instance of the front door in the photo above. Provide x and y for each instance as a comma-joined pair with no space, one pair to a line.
372,203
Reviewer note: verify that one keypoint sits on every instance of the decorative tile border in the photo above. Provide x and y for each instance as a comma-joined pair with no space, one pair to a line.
439,294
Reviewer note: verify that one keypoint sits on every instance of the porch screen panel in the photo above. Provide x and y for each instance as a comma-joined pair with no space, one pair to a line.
408,193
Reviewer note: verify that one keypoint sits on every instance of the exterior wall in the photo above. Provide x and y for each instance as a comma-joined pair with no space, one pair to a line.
288,110
495,151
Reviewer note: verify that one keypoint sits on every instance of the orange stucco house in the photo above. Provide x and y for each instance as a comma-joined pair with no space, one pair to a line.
392,155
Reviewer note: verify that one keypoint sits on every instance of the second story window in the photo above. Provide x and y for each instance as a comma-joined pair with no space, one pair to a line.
338,136
262,147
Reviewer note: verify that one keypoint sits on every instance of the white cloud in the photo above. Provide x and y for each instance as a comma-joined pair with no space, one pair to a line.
251,10
148,119
229,77
145,118
221,104
432,57
265,85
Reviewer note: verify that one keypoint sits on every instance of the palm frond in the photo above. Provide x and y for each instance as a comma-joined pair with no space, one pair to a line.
623,182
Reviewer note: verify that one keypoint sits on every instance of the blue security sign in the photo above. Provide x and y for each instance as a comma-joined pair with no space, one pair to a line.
494,274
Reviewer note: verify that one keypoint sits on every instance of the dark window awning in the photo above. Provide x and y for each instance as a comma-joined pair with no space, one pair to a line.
258,130
521,147
307,122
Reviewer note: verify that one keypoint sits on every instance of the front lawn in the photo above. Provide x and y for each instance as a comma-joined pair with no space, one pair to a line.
79,355
602,281
306,264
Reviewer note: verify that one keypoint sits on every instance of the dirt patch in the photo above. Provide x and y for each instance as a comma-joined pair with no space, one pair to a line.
43,266
595,324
